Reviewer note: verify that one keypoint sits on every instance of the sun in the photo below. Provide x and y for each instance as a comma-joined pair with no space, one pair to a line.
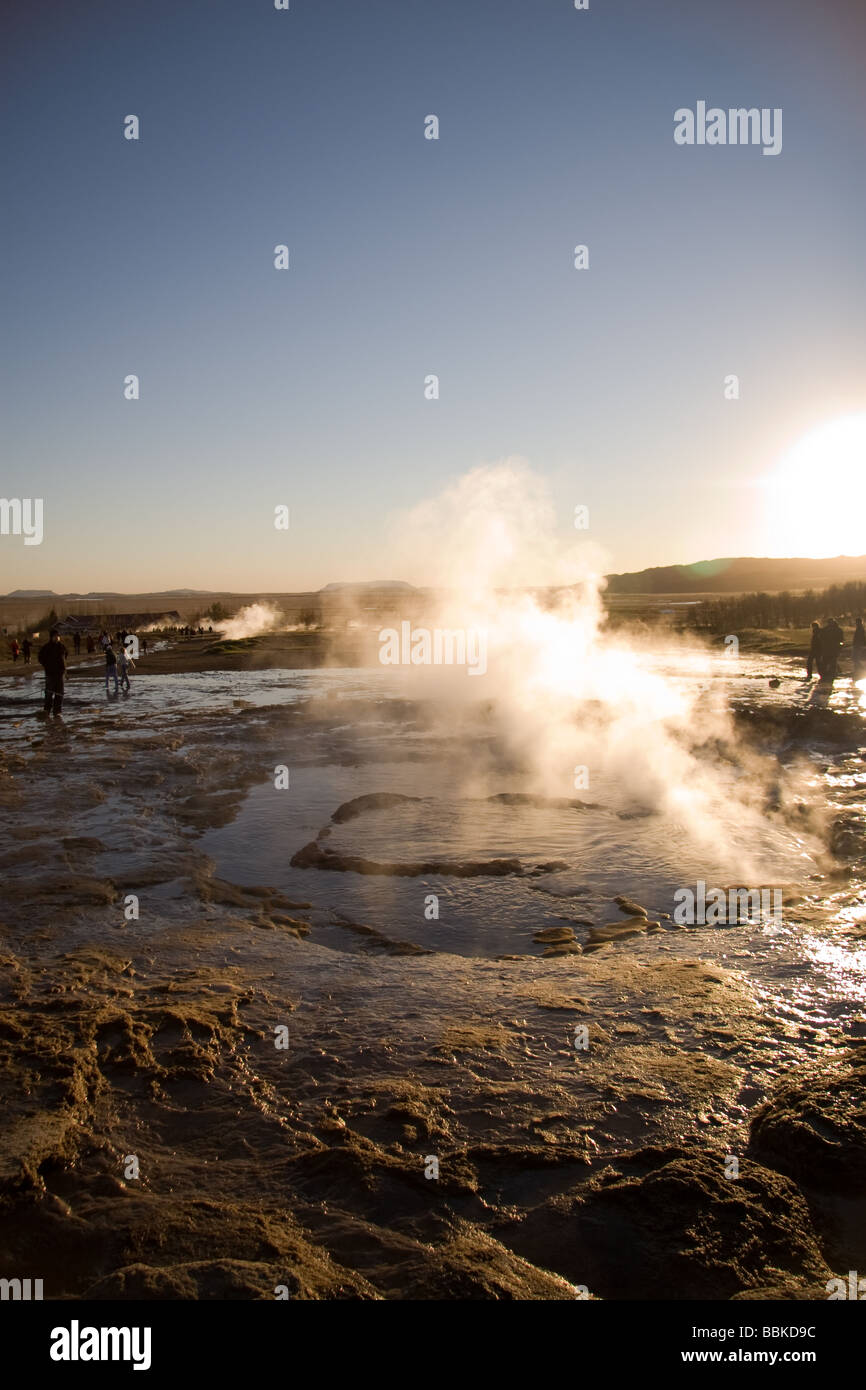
817,497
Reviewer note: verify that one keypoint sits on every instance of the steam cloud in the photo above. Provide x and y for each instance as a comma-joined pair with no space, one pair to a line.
256,618
566,690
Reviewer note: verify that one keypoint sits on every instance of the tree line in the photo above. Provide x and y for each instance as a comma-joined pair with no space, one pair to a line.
784,609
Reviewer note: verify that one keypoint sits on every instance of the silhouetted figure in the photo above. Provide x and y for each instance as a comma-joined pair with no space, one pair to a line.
110,667
143,646
91,645
26,647
814,663
832,641
124,666
15,649
53,657
76,640
858,650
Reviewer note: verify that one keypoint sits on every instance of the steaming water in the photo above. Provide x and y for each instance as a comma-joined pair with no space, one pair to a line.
807,972
803,969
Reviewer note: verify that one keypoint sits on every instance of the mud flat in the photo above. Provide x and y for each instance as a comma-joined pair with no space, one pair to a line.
313,1101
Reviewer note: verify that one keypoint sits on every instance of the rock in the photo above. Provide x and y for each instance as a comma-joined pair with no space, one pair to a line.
630,908
229,1279
312,856
572,949
813,1127
554,935
618,931
293,924
848,835
667,1220
562,803
373,801
551,866
783,1292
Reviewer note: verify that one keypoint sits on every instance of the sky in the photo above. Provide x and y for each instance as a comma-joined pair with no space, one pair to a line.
409,257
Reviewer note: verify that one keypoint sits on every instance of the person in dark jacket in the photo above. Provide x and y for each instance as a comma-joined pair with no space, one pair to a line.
26,647
858,651
110,667
53,657
814,661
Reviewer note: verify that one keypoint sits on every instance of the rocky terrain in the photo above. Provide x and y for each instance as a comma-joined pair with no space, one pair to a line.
207,1097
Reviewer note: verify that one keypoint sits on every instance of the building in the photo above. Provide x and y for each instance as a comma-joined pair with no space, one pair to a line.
116,622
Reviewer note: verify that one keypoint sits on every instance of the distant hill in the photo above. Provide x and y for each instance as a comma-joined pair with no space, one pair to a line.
31,593
732,576
334,588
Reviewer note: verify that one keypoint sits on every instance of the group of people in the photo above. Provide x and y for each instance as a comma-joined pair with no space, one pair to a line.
118,664
23,648
828,639
52,657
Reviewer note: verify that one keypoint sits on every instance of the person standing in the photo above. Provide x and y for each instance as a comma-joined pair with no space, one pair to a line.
125,664
858,650
77,643
53,657
110,667
26,647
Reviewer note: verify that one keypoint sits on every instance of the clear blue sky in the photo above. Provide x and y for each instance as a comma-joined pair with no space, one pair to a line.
411,257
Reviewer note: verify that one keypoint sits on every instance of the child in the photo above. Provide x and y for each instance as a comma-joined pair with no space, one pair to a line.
125,664
110,667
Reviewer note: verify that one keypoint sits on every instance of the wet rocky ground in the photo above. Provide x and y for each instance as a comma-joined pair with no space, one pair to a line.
217,1089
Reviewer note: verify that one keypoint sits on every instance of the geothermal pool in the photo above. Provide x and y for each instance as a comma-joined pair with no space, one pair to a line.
572,852
414,1031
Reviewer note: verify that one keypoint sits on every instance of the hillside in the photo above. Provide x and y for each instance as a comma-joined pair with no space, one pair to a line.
742,575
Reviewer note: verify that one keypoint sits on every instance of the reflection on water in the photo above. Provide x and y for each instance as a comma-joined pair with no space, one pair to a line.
812,967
